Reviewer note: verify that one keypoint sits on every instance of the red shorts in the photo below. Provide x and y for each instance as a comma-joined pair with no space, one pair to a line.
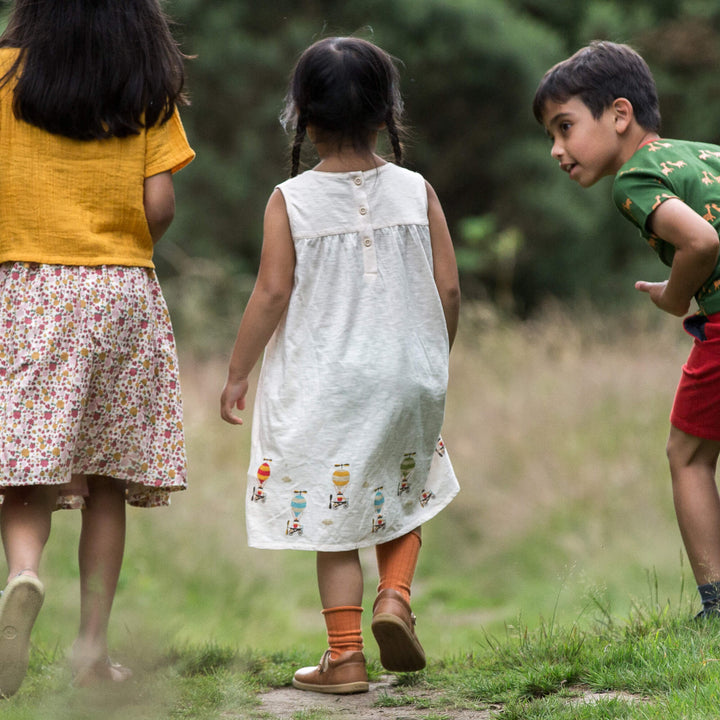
696,410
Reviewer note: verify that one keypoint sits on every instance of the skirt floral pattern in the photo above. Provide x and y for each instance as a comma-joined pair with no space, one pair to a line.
89,382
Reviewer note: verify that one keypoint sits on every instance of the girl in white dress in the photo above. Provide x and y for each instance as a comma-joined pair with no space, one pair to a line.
356,306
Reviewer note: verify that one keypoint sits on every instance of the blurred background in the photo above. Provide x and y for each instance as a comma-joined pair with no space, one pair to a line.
562,376
523,233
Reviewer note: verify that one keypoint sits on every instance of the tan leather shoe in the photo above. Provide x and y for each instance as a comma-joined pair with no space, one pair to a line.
342,676
393,626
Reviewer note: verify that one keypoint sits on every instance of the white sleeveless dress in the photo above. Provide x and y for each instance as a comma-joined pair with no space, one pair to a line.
346,449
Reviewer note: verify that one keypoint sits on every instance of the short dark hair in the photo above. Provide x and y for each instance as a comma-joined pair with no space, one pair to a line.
599,74
347,88
91,69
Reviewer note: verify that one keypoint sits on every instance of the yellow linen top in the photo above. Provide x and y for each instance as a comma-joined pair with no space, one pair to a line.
73,202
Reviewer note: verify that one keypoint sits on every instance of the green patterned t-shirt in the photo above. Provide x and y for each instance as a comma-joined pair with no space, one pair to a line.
664,169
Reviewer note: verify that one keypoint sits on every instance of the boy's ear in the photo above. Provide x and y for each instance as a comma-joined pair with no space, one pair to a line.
624,114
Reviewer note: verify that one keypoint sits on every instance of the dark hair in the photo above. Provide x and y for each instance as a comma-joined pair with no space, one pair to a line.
91,69
599,74
347,88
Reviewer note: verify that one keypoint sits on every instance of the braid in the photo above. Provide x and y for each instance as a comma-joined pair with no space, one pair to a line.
300,131
394,136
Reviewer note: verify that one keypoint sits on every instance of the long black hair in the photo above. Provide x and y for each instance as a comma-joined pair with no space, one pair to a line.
347,88
90,69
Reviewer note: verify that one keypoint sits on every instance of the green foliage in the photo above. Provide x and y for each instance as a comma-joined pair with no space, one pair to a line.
469,69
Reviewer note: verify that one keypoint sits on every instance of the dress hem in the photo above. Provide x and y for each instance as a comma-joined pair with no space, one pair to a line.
343,547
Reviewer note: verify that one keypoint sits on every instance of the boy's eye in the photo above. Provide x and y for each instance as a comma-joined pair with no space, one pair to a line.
564,127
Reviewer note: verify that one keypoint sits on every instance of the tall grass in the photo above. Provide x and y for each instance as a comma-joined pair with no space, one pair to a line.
556,429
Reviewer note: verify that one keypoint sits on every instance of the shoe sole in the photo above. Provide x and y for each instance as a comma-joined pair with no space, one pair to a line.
19,608
341,689
400,650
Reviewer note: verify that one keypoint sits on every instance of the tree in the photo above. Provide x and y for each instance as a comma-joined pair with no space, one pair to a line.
469,71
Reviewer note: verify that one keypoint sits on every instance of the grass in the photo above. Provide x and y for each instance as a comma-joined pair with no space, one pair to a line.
656,664
566,566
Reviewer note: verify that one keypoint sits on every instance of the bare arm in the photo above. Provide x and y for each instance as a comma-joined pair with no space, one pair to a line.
264,309
696,251
159,201
444,264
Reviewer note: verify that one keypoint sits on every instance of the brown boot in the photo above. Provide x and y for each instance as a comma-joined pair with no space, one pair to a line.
342,676
393,626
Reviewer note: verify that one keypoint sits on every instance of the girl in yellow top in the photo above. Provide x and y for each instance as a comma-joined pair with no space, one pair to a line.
90,410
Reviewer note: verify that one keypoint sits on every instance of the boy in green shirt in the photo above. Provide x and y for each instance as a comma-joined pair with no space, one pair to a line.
600,109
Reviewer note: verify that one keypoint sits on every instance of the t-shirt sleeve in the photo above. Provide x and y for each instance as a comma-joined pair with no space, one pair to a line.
167,147
637,192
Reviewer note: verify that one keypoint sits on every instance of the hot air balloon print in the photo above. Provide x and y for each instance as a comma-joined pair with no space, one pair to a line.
340,479
263,473
297,505
378,502
426,496
407,468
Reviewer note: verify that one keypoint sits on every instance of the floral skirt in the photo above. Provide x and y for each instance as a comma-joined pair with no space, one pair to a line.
89,382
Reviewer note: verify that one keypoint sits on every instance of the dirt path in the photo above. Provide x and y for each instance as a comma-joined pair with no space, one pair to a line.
283,703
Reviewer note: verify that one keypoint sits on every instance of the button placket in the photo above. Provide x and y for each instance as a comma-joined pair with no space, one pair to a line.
366,229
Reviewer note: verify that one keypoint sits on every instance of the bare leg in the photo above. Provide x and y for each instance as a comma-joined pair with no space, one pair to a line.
342,668
693,463
340,582
340,578
25,519
100,555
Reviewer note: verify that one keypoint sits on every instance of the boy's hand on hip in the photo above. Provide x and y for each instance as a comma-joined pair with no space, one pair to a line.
656,291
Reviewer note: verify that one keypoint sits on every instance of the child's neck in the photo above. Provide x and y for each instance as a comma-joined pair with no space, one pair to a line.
349,161
335,157
648,137
635,140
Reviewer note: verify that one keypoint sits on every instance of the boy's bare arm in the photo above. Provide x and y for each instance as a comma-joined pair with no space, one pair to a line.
696,252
